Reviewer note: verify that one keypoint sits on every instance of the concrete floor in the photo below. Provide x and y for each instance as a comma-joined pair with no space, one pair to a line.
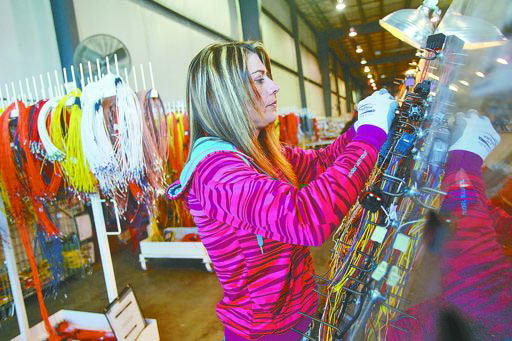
180,294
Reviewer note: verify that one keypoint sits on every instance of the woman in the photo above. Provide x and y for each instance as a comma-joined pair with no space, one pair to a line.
241,187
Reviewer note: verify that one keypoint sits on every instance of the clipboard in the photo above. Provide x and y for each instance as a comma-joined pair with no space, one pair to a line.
125,316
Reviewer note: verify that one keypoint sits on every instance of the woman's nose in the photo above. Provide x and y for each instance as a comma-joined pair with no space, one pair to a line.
274,88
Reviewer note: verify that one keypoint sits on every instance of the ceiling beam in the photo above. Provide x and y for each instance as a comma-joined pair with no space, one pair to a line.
370,27
390,59
319,14
367,38
383,32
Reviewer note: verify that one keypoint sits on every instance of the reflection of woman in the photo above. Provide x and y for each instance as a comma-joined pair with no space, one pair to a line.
241,187
476,277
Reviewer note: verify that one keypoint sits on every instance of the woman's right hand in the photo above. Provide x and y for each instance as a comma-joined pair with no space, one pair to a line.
376,110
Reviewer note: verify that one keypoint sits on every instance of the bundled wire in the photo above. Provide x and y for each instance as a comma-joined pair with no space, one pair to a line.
51,250
178,142
155,142
65,136
359,304
49,150
16,191
114,151
37,191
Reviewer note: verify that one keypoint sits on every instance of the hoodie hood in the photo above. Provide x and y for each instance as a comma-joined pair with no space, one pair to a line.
203,147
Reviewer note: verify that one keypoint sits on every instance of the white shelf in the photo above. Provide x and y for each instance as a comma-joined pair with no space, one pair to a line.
177,250
85,320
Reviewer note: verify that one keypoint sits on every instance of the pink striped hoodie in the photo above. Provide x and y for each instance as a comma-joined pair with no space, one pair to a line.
266,285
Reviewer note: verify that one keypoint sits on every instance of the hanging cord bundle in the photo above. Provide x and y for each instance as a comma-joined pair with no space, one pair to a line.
51,250
155,141
45,177
178,137
114,152
36,190
50,151
65,135
15,193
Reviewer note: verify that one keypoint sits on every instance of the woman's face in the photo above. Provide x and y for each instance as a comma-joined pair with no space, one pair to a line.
267,90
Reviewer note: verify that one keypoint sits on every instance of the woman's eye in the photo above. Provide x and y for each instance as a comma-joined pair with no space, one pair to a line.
259,80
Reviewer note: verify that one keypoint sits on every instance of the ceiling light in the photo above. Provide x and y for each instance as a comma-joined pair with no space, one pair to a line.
464,82
366,69
372,81
382,76
340,6
502,61
377,52
352,32
369,76
363,61
480,74
359,49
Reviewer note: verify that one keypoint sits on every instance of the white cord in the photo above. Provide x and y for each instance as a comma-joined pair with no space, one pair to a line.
50,151
113,165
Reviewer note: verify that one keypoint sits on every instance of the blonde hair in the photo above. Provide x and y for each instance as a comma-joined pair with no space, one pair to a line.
220,95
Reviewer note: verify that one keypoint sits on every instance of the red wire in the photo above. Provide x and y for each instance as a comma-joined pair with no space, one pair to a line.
16,192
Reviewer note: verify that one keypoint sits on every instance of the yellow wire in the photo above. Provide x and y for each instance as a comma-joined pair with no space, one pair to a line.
74,165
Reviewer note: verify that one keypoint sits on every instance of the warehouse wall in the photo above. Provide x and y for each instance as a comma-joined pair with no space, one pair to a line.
151,33
167,39
29,43
280,44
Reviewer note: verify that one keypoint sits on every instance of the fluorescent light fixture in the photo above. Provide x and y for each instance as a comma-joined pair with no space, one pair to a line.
480,74
502,61
453,87
463,82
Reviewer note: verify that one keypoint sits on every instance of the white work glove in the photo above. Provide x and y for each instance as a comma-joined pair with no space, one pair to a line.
474,133
376,110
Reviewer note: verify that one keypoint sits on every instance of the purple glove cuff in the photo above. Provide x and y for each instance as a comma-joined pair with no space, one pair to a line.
351,132
470,162
372,135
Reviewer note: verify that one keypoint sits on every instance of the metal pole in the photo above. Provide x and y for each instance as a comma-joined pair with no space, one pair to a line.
66,30
300,71
250,17
106,259
323,61
335,72
12,270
